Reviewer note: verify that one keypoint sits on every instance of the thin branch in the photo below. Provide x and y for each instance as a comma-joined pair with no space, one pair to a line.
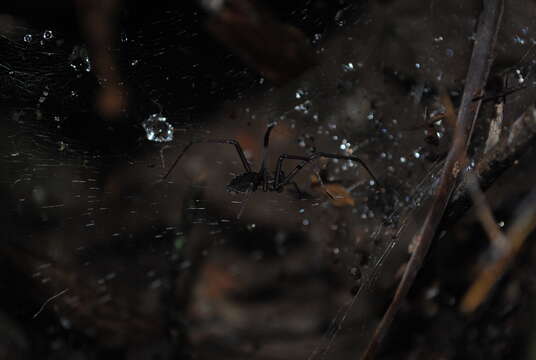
477,75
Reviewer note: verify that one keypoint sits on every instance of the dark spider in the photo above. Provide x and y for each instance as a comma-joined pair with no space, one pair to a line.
250,180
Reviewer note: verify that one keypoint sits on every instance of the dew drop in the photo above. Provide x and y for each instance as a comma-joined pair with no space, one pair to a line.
520,78
304,107
348,67
28,38
158,129
48,35
519,40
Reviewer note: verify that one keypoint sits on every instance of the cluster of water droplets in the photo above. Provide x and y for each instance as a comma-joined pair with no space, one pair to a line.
79,59
158,129
521,37
305,106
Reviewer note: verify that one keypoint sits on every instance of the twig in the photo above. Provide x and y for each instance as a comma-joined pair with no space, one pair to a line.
477,75
524,224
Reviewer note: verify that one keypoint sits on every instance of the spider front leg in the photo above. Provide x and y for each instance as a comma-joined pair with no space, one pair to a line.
236,144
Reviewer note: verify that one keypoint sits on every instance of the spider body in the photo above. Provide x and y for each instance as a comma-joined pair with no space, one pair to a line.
250,181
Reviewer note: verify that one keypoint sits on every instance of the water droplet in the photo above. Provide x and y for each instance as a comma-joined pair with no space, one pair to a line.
124,37
158,129
134,62
501,223
345,145
418,65
519,40
438,39
520,78
402,159
300,93
304,107
48,35
348,67
28,38
305,222
417,154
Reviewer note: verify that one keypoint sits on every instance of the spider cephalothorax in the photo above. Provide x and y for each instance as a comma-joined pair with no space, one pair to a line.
250,180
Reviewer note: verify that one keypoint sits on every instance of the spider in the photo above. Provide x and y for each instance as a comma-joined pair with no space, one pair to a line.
250,180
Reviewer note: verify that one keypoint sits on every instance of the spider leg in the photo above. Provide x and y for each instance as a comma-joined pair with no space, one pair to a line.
236,144
344,157
280,179
262,168
265,147
280,182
